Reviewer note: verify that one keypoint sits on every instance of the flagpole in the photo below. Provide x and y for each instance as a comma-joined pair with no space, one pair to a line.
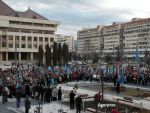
137,58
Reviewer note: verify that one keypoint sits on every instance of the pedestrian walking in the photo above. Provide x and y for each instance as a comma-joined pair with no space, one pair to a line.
27,104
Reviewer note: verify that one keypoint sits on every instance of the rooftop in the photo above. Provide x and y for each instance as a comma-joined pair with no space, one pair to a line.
6,10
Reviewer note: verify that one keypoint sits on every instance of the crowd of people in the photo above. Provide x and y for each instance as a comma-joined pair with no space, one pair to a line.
40,82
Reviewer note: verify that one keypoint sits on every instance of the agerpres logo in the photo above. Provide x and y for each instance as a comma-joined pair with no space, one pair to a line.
106,105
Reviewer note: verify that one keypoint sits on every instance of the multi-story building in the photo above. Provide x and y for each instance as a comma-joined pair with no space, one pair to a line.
65,39
75,45
129,38
90,40
21,33
113,38
69,42
137,36
60,39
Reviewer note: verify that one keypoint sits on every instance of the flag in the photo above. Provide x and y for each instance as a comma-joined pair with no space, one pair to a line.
121,77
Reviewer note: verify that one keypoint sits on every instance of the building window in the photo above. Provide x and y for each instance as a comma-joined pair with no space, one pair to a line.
16,45
46,39
10,37
23,46
13,30
48,32
51,39
41,45
25,31
35,38
4,41
16,37
29,38
10,45
23,38
29,46
41,39
35,46
37,31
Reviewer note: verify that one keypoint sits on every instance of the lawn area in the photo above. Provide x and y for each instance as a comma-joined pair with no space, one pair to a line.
107,88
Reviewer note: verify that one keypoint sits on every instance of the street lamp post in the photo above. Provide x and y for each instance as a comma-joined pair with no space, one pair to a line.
137,58
102,83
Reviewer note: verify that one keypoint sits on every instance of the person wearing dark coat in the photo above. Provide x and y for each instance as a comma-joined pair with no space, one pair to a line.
59,93
18,97
27,104
78,104
27,87
4,95
118,87
72,95
48,94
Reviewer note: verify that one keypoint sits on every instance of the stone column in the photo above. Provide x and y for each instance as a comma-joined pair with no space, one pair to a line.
6,56
31,56
0,56
19,56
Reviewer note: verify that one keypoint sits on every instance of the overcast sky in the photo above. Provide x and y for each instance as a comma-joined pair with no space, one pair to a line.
77,14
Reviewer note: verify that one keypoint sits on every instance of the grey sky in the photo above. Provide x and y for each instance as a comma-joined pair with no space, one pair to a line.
77,14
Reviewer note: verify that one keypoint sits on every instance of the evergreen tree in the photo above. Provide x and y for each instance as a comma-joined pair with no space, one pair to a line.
70,56
55,54
48,55
118,54
59,55
65,53
40,55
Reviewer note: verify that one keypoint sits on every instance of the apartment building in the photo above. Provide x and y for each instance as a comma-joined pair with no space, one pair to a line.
129,37
21,33
137,36
65,39
113,38
90,40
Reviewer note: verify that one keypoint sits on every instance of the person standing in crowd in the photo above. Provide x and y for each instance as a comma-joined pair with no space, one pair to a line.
4,95
7,93
27,87
1,88
118,87
72,95
114,110
48,94
97,98
18,97
27,104
59,94
54,94
78,104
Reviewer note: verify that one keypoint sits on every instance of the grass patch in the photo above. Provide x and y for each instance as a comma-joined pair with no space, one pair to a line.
107,88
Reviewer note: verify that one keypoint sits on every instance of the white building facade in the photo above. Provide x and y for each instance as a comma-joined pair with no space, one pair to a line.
137,37
21,33
113,38
66,39
90,40
129,37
